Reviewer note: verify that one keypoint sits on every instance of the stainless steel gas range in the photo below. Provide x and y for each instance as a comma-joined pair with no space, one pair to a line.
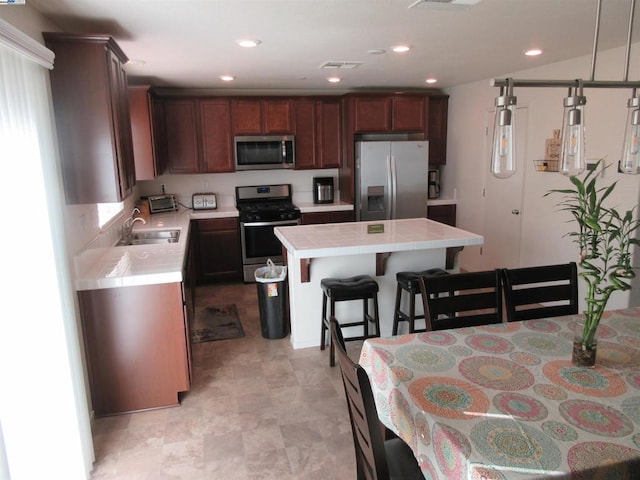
261,208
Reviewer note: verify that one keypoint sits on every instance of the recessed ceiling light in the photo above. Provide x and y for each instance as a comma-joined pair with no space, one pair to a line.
334,79
227,78
136,63
533,52
376,51
431,80
401,48
247,43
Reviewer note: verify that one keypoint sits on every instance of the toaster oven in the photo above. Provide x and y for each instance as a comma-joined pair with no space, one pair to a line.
162,203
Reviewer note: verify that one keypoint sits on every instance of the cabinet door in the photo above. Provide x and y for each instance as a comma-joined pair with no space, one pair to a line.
442,213
372,114
246,117
408,114
219,255
142,132
329,134
181,136
437,129
217,147
305,131
277,117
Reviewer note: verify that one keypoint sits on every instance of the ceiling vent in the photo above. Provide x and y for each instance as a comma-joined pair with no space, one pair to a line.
340,65
444,4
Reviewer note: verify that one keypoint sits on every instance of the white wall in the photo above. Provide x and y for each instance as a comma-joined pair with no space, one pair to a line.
542,226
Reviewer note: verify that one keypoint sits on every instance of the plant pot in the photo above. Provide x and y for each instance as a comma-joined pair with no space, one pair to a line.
584,353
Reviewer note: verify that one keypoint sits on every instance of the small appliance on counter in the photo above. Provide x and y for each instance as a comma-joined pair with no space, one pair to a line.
204,201
434,184
162,203
322,189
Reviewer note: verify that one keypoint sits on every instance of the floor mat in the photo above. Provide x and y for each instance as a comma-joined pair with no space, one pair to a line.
219,322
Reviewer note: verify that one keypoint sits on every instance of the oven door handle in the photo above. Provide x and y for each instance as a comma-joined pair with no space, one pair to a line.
274,224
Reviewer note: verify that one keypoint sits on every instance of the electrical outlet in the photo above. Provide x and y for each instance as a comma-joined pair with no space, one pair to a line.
205,186
162,186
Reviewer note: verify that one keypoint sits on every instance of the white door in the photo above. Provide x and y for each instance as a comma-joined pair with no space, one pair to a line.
503,200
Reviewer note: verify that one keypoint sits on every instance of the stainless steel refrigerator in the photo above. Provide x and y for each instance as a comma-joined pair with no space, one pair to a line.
391,179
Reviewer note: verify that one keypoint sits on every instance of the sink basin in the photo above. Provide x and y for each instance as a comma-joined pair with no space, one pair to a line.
150,238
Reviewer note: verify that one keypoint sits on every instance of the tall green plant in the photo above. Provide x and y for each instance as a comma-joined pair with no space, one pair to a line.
604,238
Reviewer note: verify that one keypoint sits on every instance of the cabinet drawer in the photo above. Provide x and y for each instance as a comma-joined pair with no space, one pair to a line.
212,224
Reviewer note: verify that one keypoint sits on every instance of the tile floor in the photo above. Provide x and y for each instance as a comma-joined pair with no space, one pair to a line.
257,409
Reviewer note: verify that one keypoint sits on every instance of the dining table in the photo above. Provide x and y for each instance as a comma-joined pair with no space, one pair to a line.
505,401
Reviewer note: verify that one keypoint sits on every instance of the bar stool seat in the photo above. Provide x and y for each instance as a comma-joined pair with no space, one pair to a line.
359,287
409,282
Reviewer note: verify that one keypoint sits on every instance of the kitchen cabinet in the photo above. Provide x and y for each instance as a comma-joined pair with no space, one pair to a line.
137,346
442,213
318,133
142,132
262,116
93,122
336,216
437,129
218,253
197,135
384,114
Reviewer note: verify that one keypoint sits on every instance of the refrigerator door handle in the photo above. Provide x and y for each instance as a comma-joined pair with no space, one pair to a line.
393,184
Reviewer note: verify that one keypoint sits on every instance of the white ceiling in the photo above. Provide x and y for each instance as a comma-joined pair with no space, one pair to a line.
189,43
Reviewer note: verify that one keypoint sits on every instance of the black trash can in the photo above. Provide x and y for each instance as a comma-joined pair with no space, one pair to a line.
272,301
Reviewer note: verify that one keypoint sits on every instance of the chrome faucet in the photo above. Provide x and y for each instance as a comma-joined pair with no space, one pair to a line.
127,225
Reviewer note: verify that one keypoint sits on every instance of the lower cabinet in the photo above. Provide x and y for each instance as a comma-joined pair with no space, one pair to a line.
137,346
218,252
442,213
327,217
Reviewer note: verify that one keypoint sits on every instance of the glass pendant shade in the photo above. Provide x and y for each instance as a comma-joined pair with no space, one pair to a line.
630,161
572,155
503,156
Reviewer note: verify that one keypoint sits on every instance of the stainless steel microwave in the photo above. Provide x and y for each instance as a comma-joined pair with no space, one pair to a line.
264,152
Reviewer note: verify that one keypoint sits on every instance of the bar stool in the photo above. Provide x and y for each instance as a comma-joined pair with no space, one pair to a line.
360,287
409,282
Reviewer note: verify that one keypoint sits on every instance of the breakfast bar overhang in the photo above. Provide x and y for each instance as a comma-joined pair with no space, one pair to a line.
379,249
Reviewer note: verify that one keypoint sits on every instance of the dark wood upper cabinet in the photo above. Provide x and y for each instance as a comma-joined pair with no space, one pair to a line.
318,132
217,142
142,131
197,135
383,114
91,105
261,116
181,136
437,130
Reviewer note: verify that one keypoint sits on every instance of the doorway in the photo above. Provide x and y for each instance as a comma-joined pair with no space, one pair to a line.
503,199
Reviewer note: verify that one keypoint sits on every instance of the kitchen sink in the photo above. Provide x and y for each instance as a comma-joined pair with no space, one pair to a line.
150,238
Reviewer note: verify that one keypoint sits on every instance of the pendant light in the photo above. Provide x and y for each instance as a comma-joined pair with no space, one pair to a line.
503,155
630,162
572,154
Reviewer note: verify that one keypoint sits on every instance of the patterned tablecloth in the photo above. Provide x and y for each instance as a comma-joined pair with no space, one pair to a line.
504,401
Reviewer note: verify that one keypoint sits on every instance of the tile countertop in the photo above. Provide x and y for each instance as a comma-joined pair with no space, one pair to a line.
110,267
336,239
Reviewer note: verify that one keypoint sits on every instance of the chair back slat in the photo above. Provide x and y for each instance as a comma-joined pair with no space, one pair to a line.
462,299
367,433
540,292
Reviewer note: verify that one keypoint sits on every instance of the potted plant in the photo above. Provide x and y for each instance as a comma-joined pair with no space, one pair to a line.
604,237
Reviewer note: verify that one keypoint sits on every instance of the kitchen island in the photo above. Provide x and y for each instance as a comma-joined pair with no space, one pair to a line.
315,252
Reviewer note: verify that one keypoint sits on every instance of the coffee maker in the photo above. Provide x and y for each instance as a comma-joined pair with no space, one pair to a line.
433,184
322,189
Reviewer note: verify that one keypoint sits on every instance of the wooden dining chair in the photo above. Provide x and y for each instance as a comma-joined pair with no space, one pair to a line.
540,292
462,299
377,458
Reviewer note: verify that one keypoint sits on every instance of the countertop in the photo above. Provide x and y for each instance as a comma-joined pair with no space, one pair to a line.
336,239
111,266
